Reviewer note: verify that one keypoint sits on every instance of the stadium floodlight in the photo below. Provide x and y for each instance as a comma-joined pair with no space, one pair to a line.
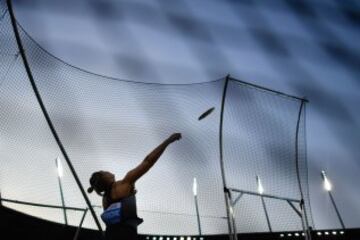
59,167
195,192
195,187
260,189
60,172
327,184
259,185
328,188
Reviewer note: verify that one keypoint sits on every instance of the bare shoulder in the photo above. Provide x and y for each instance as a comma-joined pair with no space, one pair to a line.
121,189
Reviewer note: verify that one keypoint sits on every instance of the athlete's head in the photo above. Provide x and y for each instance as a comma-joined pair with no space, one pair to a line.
101,181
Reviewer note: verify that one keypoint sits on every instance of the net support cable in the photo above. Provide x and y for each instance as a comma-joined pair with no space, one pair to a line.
46,115
263,196
268,89
40,204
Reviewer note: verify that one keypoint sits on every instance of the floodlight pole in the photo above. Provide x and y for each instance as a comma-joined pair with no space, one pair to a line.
197,206
59,169
336,210
327,186
266,213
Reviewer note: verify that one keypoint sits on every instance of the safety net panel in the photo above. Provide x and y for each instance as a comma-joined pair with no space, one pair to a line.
28,150
108,124
112,124
260,157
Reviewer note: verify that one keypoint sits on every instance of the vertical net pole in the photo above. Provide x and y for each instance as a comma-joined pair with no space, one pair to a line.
227,194
44,111
304,214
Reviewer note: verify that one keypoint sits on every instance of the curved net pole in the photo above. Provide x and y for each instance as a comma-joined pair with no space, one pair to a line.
227,193
46,115
304,217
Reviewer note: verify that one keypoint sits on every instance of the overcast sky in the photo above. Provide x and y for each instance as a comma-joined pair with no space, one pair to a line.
306,48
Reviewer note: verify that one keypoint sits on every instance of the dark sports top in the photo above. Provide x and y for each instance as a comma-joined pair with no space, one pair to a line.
128,212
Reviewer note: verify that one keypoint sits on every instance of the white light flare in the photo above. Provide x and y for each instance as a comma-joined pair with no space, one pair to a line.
195,187
327,184
59,167
259,185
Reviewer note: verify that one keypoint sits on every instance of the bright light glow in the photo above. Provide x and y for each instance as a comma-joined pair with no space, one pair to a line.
282,235
326,233
195,187
259,185
231,210
319,233
297,234
59,167
327,184
334,232
342,232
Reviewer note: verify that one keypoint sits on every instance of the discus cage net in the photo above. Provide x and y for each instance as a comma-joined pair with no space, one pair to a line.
248,155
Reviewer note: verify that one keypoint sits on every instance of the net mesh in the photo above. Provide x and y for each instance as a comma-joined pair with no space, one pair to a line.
112,124
260,130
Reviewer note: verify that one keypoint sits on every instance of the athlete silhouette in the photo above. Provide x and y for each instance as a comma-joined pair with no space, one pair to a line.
118,197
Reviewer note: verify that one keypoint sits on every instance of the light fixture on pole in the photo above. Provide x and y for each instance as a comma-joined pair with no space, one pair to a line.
59,167
60,172
327,184
260,189
195,192
259,185
328,187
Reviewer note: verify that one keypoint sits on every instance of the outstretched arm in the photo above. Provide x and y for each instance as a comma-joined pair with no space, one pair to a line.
133,175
